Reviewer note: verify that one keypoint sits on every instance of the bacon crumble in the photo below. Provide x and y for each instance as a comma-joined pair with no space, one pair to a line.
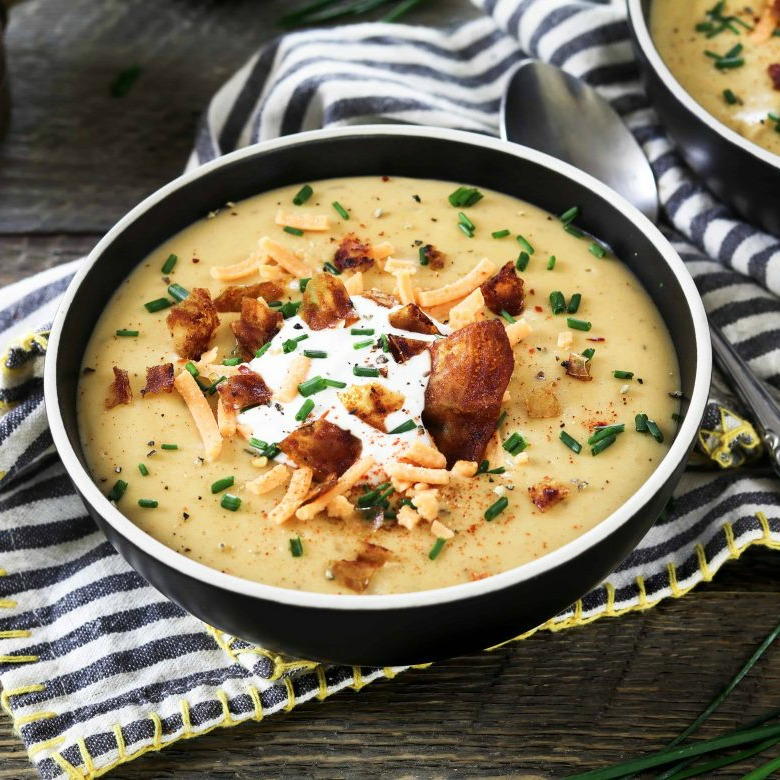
192,324
577,366
353,254
546,493
159,379
326,302
246,388
322,446
774,73
230,298
357,574
403,349
412,318
256,326
434,257
504,291
119,391
388,300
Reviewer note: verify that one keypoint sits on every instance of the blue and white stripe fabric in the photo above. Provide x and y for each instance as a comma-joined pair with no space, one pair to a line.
96,667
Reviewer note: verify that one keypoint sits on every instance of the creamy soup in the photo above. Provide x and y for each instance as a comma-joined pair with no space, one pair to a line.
433,408
727,56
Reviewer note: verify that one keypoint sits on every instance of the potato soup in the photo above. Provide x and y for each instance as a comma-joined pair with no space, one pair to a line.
376,385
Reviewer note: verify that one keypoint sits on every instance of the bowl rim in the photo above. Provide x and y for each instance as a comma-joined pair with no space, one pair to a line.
424,598
638,25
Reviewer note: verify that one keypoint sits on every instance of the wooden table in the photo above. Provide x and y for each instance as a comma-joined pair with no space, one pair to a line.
73,162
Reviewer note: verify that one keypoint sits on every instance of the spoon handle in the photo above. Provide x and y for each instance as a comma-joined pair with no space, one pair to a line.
765,412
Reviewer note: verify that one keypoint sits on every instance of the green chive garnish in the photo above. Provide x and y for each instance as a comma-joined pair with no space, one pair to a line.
117,491
168,265
526,247
275,304
384,343
169,446
623,374
494,510
177,291
640,423
604,431
290,345
361,344
234,361
569,215
192,368
551,263
260,352
576,232
362,332
303,282
303,194
144,471
515,444
340,210
574,303
296,547
147,503
330,268
375,496
576,324
293,231
305,410
571,442
597,249
422,255
335,383
311,386
654,430
257,443
522,261
364,371
466,230
501,233
464,220
438,546
128,333
231,502
465,196
290,309
557,302
588,353
212,388
404,427
602,444
730,97
507,316
222,484
315,353
157,304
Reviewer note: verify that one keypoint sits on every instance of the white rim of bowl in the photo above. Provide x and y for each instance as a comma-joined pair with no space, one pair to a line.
309,599
645,40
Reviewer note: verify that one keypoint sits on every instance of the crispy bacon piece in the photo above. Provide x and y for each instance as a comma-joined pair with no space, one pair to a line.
542,402
159,379
547,493
388,300
353,254
412,318
230,298
246,388
504,291
470,371
402,348
774,73
357,574
192,324
434,256
577,366
326,302
119,391
257,325
322,446
371,402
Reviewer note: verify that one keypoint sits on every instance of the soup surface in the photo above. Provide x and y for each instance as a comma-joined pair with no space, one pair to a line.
727,56
420,447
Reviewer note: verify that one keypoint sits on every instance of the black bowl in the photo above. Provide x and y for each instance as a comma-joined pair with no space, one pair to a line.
411,627
740,172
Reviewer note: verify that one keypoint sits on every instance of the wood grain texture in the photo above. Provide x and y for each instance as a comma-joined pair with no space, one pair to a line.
73,162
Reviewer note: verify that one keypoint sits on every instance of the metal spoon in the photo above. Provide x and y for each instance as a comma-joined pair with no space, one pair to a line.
547,109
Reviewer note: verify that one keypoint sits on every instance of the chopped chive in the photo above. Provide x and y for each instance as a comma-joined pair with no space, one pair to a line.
501,419
222,484
423,255
127,333
640,423
375,496
571,443
677,417
551,263
384,342
311,386
272,451
335,383
465,196
574,231
158,304
500,233
438,546
498,470
362,344
515,444
177,291
464,220
290,309
169,446
576,324
315,353
233,361
340,210
588,353
507,316
290,345
147,503
484,465
260,352
361,332
574,303
212,388
524,244
192,368
727,63
293,231
257,443
303,282
596,249
144,471
330,268
569,215
557,302
275,304
364,371
654,430
305,410
303,194
522,261
605,431
494,510
117,491
296,547
602,444
466,229
730,97
168,265
623,374
404,427
231,502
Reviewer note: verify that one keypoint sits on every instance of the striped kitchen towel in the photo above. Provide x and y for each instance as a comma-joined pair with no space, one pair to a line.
96,667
